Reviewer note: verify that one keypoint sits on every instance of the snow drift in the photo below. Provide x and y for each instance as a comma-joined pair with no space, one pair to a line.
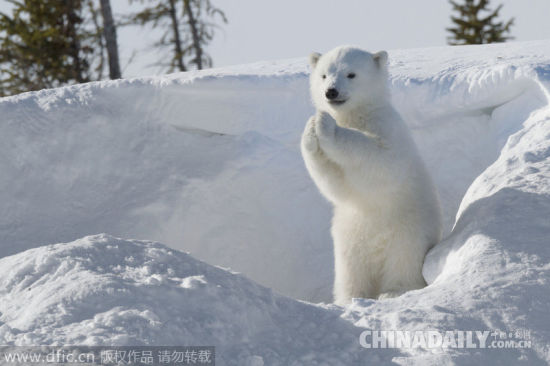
101,290
208,162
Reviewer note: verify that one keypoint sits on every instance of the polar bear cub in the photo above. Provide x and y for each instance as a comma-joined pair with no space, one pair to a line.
364,161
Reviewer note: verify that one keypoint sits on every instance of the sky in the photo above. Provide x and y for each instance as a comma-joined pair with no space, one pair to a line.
269,30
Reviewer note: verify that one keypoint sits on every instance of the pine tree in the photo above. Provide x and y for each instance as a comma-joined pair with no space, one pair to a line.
189,26
477,24
44,44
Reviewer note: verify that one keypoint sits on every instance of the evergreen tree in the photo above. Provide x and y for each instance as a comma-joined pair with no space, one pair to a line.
189,26
44,44
477,24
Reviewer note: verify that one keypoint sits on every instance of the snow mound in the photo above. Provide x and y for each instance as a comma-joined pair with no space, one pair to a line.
102,290
492,271
153,159
208,162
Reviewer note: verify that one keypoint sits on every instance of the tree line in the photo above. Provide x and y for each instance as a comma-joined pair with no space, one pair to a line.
49,43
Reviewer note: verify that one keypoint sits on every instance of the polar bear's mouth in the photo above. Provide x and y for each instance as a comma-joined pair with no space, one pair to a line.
337,102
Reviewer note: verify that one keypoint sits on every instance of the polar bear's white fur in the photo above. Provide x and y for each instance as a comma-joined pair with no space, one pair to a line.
364,161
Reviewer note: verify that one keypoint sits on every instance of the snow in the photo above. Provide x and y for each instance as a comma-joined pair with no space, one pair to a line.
208,163
101,290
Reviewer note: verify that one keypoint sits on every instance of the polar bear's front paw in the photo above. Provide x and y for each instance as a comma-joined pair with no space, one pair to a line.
309,138
325,125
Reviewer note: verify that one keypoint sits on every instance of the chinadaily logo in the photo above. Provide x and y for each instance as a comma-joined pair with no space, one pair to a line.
432,339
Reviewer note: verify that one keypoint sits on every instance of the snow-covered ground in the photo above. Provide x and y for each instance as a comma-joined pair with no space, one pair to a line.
208,163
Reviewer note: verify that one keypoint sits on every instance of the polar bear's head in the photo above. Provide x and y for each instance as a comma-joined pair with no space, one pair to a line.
348,78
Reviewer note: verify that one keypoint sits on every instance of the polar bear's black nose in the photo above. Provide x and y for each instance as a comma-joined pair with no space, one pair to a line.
331,94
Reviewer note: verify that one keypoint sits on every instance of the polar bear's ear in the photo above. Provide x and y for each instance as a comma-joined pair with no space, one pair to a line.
380,59
313,58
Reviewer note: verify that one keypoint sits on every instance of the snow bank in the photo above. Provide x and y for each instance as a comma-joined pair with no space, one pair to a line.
492,272
208,162
101,290
170,159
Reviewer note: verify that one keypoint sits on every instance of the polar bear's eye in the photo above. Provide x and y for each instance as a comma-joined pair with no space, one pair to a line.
324,76
351,75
